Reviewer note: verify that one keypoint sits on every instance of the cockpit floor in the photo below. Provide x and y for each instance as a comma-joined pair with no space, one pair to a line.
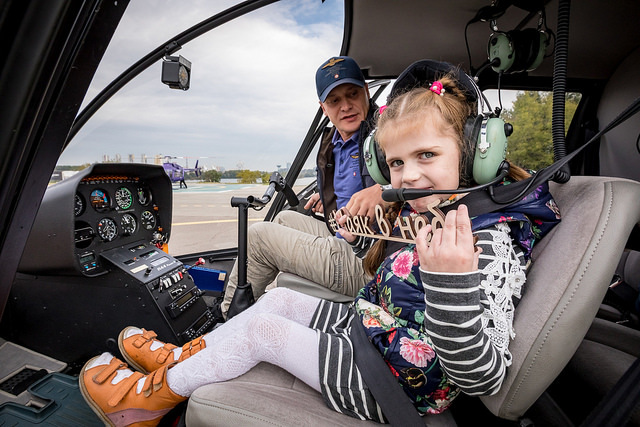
64,405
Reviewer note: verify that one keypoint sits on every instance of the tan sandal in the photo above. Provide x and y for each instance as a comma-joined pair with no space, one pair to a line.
119,404
136,350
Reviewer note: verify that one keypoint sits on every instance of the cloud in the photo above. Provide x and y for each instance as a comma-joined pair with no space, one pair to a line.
252,95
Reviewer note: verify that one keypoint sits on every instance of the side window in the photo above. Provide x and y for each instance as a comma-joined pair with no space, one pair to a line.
530,113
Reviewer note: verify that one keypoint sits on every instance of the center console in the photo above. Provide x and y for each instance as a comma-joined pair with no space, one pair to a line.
72,317
170,287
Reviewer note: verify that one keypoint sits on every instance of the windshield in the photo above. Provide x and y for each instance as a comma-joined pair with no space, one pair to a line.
250,102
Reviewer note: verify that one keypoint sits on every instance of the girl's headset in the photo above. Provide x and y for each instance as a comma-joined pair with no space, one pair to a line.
485,133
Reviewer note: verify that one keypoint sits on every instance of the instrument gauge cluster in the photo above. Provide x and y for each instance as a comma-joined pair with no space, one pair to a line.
114,210
104,207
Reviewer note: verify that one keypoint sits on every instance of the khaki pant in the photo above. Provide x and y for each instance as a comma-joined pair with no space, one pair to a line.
301,245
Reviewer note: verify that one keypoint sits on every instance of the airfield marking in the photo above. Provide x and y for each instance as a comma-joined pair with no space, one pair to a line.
213,221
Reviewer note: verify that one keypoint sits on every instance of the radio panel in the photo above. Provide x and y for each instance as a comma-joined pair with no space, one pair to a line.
169,285
143,261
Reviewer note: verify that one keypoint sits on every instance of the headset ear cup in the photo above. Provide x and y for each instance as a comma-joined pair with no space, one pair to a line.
542,40
501,47
375,161
471,136
490,151
529,46
382,165
524,45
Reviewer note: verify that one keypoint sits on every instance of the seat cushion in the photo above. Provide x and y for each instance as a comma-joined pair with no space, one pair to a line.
607,351
268,395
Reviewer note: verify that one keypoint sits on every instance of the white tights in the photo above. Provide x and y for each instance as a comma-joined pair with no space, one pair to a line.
274,330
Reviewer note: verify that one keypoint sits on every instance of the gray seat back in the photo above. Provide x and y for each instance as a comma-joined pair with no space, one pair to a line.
572,268
619,149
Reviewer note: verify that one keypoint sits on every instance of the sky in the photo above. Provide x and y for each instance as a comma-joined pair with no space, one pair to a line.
252,95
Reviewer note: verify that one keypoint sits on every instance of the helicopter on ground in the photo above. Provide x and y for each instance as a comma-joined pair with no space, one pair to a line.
176,172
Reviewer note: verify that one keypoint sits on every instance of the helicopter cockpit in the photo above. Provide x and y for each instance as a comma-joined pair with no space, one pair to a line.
107,226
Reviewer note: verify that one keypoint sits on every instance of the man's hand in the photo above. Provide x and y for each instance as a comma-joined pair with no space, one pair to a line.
452,248
363,203
314,203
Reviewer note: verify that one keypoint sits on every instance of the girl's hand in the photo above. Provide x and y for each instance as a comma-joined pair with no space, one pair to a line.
452,248
341,218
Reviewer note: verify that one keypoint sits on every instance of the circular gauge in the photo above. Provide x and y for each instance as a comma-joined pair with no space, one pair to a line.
128,224
148,220
100,199
107,229
144,196
78,205
124,198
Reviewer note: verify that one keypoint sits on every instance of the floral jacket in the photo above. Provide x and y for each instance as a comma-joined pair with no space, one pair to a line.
391,306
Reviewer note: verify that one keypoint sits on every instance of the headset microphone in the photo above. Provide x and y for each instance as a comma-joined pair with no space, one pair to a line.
404,194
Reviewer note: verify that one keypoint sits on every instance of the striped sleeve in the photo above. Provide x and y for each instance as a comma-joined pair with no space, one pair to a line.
460,318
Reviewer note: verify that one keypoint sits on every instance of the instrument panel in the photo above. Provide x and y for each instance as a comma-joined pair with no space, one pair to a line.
113,207
110,211
103,207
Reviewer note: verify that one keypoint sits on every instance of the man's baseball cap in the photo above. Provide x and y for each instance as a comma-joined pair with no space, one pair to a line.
336,71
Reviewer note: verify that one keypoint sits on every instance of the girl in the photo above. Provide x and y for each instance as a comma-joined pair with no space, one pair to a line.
456,341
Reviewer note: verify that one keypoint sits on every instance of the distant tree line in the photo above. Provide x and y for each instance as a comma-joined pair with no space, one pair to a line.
531,144
246,176
72,167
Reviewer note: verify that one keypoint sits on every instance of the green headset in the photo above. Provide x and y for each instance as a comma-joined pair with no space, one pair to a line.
485,134
516,51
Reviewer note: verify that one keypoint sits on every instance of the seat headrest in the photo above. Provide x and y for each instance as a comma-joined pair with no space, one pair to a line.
629,268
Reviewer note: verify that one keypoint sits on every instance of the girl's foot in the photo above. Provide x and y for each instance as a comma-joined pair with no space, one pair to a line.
122,397
142,351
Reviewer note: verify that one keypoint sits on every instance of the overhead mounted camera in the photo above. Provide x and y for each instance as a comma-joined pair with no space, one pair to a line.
176,72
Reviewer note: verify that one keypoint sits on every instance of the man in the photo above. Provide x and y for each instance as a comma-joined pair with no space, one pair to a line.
300,244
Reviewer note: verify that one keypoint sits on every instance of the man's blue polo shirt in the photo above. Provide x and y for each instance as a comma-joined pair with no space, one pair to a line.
346,176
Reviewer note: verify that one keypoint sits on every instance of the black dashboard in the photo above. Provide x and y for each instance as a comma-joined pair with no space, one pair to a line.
103,207
94,263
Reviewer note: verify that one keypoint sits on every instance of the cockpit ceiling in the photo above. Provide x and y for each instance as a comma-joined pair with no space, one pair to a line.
385,36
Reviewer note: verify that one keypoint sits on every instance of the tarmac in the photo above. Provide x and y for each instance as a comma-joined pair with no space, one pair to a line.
203,219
